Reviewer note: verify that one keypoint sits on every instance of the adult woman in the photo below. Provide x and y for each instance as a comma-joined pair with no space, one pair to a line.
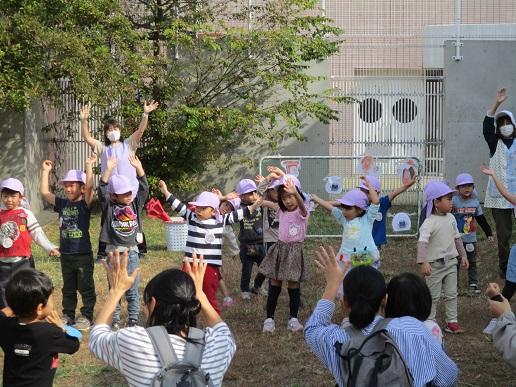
172,299
364,299
499,130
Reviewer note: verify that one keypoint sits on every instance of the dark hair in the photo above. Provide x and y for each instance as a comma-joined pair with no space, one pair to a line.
107,124
26,289
362,211
408,295
499,122
281,189
364,290
9,191
176,306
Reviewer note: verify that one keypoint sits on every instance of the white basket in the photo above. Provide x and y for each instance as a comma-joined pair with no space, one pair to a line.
175,235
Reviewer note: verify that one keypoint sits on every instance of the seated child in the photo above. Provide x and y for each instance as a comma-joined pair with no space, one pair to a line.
18,227
33,338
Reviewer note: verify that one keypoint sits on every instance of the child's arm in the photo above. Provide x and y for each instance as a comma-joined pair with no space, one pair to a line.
482,221
60,341
111,164
84,115
501,96
88,186
503,190
175,203
229,196
49,197
392,195
271,205
291,189
143,186
425,233
147,108
373,195
323,203
38,236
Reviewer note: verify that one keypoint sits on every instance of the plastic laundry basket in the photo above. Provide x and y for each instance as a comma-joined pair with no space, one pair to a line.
176,231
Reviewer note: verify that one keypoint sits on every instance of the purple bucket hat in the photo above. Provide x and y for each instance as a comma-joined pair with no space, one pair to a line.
119,184
74,175
12,184
434,190
207,199
274,184
294,179
235,203
245,186
464,178
355,198
374,182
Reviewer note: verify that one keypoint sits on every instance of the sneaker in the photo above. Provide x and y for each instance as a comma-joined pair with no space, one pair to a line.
260,291
228,302
473,288
132,322
115,326
82,324
269,326
245,295
454,328
294,325
66,320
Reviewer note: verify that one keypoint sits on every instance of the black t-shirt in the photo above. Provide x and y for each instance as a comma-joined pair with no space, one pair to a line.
251,228
30,351
74,226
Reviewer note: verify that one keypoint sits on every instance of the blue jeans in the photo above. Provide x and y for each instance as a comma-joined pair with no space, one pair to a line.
132,296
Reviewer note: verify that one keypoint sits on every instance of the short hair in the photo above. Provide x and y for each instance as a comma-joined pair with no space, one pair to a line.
282,189
108,123
26,289
408,295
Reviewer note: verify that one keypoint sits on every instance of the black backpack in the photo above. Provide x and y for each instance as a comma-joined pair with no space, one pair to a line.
373,360
175,373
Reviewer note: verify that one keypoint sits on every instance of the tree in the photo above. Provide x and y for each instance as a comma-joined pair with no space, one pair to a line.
220,84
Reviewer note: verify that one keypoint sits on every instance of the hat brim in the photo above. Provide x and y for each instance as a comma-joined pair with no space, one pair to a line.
200,204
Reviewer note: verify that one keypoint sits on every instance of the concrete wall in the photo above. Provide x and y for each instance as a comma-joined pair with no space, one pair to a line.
470,89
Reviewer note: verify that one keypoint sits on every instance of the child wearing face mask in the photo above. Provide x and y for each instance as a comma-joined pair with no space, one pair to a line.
116,146
499,132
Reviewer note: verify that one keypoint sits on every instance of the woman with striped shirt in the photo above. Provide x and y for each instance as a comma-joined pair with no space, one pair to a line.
364,299
172,299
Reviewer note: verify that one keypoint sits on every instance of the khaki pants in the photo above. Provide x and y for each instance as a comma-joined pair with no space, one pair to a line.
444,280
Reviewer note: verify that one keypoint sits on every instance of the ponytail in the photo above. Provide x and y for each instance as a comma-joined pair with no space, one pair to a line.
364,290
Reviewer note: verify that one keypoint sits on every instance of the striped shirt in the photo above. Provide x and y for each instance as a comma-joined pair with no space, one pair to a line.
131,352
205,236
424,356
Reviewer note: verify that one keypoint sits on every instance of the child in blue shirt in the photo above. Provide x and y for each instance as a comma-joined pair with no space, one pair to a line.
467,212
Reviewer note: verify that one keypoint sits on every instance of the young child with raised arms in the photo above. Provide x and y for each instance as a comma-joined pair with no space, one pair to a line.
438,247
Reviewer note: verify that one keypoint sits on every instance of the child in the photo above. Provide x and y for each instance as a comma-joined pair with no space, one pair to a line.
75,245
285,260
205,230
115,146
438,247
467,211
268,187
32,340
121,226
356,217
380,223
408,295
499,130
251,239
18,226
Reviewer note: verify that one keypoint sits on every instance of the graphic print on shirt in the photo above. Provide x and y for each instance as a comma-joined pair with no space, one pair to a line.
10,230
352,231
68,223
125,221
466,222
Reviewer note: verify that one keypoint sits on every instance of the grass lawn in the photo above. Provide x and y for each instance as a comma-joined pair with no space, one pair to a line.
283,359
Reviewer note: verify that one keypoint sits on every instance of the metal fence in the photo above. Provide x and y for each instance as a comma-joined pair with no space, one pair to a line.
330,176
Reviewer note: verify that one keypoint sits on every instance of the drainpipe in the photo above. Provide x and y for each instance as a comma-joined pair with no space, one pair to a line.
458,44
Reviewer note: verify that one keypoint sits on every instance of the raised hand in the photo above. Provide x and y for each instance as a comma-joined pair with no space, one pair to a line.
150,107
325,259
84,112
259,178
231,195
163,187
92,159
410,182
116,270
487,171
111,163
135,161
501,95
217,192
47,165
290,187
196,270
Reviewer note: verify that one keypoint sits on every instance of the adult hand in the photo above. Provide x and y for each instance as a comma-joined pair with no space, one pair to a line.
196,270
498,308
425,269
46,165
501,95
150,107
116,270
487,171
84,112
325,259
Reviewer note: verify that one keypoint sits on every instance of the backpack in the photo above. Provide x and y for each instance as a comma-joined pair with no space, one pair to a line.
373,360
175,373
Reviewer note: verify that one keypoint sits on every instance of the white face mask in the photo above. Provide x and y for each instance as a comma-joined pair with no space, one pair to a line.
113,135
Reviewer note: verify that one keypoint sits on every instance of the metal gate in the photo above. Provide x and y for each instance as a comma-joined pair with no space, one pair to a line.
330,176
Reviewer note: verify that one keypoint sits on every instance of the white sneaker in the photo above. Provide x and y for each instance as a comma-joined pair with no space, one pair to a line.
294,325
269,325
245,295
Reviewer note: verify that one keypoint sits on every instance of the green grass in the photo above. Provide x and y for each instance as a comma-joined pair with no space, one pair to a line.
283,359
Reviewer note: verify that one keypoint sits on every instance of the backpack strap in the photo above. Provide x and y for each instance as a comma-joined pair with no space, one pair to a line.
195,347
162,345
